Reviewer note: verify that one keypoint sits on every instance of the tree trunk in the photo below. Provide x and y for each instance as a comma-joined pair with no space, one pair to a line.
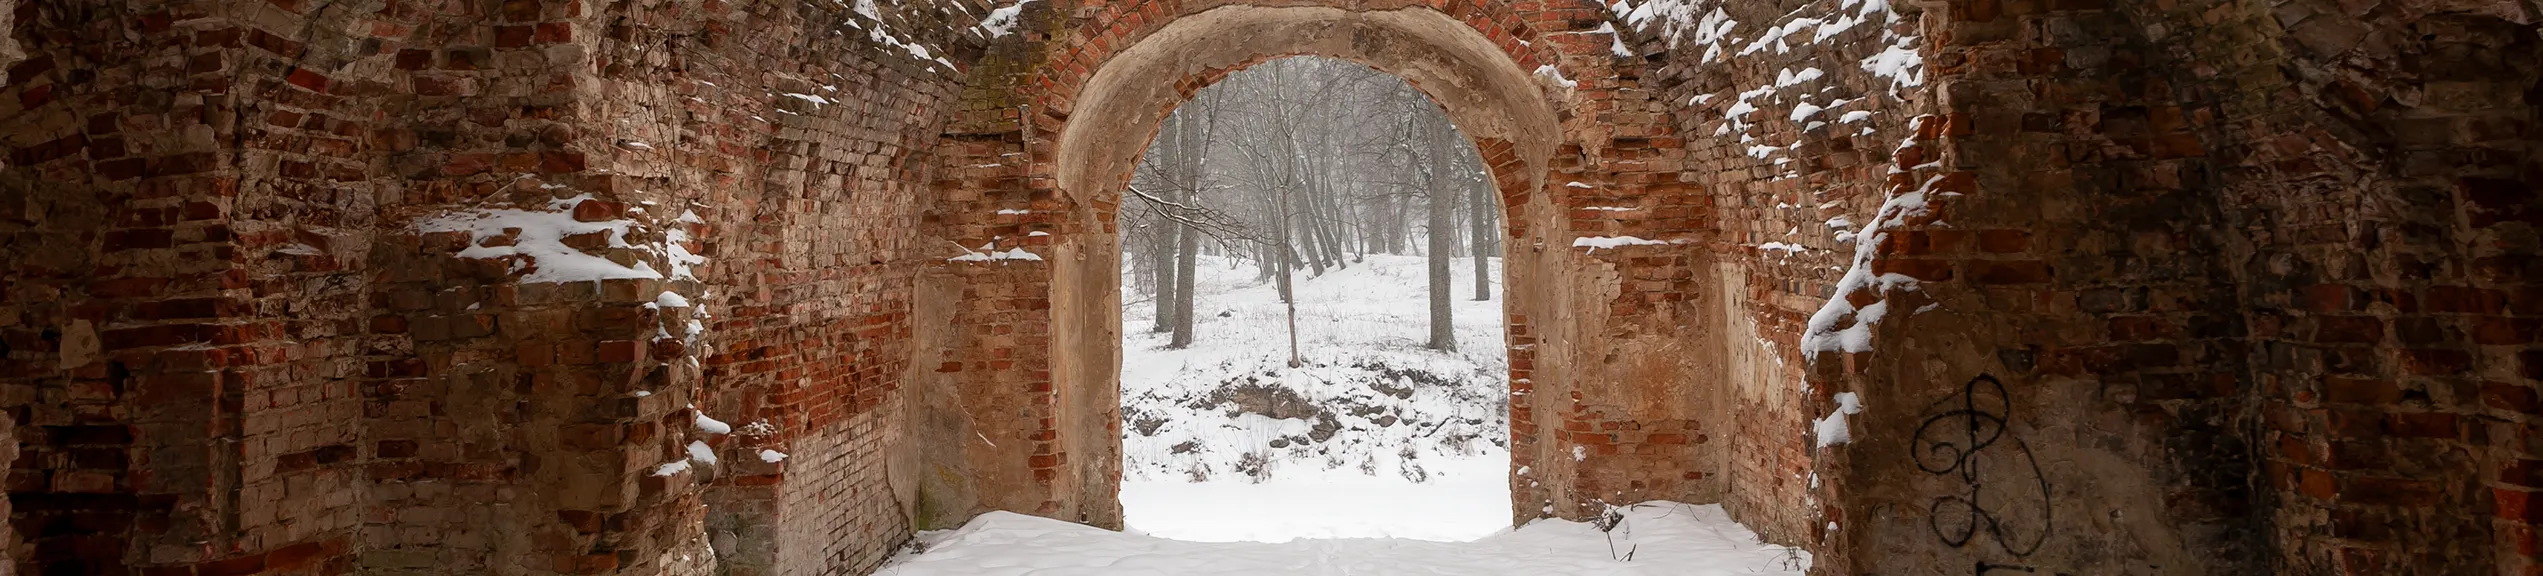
1301,207
1192,159
1134,247
1282,249
1161,249
1264,262
1161,259
1329,223
1313,256
1443,197
1482,209
1359,231
1391,225
1266,257
1184,267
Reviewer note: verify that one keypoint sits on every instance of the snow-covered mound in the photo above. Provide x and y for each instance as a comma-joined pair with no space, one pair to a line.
1653,538
1376,436
1369,399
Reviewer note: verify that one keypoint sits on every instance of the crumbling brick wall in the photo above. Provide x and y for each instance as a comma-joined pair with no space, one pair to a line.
2250,268
760,132
176,338
810,207
2084,331
2242,278
1792,131
239,352
2383,175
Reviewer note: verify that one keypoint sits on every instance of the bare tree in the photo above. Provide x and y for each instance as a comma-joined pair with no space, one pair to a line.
1197,129
1443,195
1172,182
1161,237
1483,234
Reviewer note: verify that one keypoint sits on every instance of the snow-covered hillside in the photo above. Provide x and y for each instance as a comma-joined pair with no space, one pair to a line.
1376,436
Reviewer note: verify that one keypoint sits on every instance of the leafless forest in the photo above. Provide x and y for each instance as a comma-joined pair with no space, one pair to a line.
1300,166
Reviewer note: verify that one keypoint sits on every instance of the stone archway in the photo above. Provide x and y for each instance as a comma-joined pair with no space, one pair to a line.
1603,405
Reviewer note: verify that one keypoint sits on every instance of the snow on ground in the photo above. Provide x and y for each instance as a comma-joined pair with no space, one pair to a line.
1379,458
1376,436
1467,498
1653,538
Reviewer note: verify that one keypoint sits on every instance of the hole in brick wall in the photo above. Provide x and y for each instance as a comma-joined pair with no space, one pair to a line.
1281,376
117,376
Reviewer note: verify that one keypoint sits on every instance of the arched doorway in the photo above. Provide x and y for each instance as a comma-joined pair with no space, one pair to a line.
1603,407
1495,101
1313,340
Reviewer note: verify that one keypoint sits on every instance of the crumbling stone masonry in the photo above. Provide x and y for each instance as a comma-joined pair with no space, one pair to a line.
761,287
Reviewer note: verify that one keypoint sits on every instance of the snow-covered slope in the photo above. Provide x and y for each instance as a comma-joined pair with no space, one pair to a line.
1371,413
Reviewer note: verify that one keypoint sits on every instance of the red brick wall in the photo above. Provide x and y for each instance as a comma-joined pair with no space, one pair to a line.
811,211
2233,268
269,370
2389,207
180,377
1775,250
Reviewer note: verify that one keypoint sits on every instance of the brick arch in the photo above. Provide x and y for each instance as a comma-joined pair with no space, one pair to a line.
1121,105
1119,25
1059,90
1609,376
1492,99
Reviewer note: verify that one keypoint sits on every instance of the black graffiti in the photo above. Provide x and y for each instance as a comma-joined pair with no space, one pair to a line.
1951,443
1985,568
